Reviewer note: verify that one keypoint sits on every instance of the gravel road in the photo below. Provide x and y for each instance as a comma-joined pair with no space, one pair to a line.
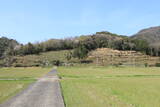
45,92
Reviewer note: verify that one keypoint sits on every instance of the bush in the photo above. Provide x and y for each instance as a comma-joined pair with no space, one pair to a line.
86,61
18,65
57,62
146,64
2,64
157,65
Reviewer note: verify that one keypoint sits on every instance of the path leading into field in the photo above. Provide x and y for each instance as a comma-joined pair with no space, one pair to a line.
45,92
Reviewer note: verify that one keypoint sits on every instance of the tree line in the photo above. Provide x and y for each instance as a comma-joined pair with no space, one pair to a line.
50,45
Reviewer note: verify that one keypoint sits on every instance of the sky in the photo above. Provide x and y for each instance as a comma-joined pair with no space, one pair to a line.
40,20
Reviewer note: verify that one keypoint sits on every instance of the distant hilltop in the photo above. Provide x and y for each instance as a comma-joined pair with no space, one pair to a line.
151,35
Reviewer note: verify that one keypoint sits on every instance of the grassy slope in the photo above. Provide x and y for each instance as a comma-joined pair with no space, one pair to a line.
102,87
46,57
9,87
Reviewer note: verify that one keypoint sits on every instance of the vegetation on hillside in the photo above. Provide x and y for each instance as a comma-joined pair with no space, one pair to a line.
7,46
108,41
81,46
151,35
44,59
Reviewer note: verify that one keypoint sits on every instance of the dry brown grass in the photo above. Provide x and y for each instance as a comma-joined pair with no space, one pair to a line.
106,56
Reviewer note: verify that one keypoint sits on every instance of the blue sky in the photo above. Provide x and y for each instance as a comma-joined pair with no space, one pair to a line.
39,20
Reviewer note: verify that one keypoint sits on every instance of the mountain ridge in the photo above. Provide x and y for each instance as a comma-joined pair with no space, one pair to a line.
151,35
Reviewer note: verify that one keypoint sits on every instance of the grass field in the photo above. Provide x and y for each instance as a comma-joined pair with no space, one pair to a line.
110,86
13,80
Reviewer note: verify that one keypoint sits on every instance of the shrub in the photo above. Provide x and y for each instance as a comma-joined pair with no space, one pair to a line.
146,64
86,61
157,65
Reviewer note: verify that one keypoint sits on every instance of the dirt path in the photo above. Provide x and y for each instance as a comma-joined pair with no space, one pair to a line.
43,93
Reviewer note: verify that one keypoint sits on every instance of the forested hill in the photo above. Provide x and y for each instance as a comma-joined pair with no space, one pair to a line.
98,40
151,35
81,45
7,46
